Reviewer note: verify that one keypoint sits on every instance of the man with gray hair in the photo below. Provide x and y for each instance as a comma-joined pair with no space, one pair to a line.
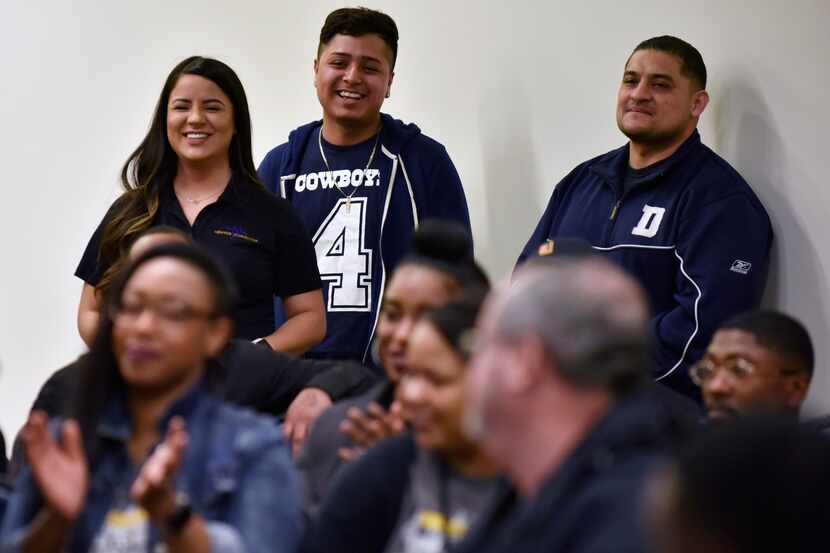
558,393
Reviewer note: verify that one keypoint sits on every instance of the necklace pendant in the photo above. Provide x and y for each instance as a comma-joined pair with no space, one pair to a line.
348,205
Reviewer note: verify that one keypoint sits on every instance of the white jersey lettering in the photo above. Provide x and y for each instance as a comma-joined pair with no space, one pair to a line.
311,182
325,180
299,184
371,177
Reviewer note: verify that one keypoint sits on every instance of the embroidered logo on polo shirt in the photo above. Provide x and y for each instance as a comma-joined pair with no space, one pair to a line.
741,267
236,232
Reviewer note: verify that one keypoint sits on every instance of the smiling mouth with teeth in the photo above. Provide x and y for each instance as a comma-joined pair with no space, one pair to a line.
196,135
349,95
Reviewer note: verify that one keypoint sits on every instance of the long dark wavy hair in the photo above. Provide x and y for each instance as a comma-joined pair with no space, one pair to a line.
100,377
153,164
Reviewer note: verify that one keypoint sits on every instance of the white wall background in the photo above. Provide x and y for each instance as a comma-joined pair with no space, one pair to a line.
518,91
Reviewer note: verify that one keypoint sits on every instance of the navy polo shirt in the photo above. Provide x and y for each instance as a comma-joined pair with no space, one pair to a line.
254,234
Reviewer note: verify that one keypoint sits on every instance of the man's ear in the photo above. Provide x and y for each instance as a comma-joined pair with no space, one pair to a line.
797,386
315,66
389,84
699,102
529,369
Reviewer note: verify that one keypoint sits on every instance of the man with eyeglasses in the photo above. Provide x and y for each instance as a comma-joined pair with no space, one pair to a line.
757,361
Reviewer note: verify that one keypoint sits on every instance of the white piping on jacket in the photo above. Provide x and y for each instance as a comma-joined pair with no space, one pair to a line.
690,279
411,194
380,246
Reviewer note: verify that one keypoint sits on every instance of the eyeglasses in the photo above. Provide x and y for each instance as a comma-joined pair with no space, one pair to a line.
173,313
736,368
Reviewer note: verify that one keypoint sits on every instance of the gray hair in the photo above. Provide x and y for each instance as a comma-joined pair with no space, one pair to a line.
590,316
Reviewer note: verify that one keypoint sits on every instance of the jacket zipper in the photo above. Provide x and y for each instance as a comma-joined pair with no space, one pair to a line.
614,210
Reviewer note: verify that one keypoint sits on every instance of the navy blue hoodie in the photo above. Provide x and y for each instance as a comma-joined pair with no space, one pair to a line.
694,234
419,182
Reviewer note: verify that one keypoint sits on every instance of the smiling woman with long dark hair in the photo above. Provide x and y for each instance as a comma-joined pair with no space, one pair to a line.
194,170
150,455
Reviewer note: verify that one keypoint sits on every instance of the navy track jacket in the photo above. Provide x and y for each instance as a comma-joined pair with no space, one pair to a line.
695,236
422,183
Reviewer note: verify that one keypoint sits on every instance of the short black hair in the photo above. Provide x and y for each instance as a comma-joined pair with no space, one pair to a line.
759,484
779,333
359,22
691,62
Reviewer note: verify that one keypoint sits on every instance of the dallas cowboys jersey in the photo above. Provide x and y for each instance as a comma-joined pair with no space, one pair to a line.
361,215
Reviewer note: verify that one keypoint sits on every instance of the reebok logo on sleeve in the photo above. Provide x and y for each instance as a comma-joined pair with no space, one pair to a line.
740,267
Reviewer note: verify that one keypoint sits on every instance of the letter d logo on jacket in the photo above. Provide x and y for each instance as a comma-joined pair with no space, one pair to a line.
650,221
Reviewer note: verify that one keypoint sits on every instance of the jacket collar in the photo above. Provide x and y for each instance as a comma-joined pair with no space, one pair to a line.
634,423
612,166
237,192
116,421
395,134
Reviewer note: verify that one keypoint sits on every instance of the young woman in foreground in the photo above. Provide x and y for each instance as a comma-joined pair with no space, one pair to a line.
150,455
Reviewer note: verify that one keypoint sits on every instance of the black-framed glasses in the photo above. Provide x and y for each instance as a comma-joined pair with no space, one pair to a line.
166,312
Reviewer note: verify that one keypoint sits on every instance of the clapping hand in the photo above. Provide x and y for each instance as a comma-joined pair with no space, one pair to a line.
366,428
301,414
59,467
153,488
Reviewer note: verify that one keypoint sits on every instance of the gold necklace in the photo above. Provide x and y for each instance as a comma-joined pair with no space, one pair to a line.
197,201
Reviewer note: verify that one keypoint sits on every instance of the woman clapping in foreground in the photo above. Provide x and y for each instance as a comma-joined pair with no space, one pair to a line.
151,456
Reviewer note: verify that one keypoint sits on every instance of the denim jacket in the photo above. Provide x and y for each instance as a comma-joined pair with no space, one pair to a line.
236,472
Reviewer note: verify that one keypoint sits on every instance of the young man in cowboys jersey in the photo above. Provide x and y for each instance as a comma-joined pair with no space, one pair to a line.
360,180
667,208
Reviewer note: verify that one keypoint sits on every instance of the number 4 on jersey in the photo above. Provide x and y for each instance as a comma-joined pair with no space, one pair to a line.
343,258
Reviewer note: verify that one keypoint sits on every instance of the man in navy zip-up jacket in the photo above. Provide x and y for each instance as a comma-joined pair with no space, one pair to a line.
361,181
668,209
